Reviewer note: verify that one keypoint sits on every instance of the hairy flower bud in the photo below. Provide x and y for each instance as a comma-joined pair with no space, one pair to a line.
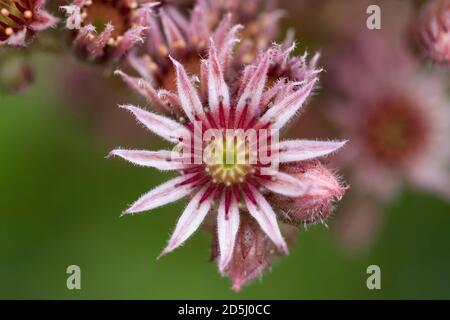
316,205
253,252
434,30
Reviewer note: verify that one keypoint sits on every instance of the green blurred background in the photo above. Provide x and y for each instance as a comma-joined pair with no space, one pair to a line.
60,205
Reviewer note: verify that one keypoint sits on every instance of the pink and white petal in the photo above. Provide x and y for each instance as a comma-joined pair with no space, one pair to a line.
84,36
190,220
166,193
218,89
284,184
131,38
222,30
227,229
252,93
18,39
266,218
95,48
164,127
204,80
189,99
300,150
283,111
434,179
178,18
172,32
162,160
144,88
43,20
226,48
141,65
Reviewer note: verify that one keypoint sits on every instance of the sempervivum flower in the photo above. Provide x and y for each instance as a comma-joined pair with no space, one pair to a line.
21,19
186,37
227,151
397,118
434,30
104,30
259,17
157,79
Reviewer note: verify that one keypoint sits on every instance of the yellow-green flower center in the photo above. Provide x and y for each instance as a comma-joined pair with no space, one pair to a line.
227,159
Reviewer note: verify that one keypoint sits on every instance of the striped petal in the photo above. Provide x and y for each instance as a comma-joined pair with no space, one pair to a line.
173,34
189,99
166,193
190,220
162,160
252,93
299,150
284,184
283,111
266,218
144,88
218,89
227,229
164,127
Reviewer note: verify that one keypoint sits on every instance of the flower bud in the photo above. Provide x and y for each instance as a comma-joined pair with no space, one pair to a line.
434,30
253,251
316,204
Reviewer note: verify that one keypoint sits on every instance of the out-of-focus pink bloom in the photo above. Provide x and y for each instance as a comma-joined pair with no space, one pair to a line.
104,31
260,19
434,30
186,37
156,86
396,116
16,74
242,103
22,19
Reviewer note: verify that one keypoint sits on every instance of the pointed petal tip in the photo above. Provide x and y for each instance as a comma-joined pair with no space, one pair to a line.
128,107
174,61
125,213
162,254
222,266
118,72
237,286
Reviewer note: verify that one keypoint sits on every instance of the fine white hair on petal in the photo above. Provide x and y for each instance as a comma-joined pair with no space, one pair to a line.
284,184
189,99
282,112
266,218
162,160
164,127
254,88
168,192
190,220
300,150
227,229
218,89
144,88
